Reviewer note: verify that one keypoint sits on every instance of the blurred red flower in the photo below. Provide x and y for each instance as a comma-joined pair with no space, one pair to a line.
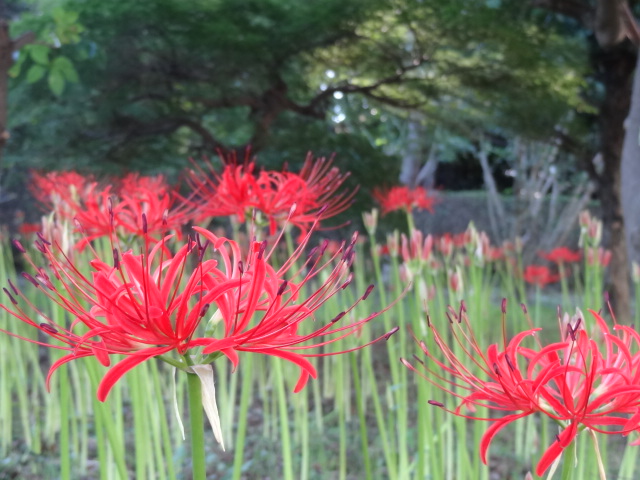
296,198
403,198
539,275
562,255
99,210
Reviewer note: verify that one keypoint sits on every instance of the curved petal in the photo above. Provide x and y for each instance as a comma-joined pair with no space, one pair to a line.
61,361
493,430
116,372
555,449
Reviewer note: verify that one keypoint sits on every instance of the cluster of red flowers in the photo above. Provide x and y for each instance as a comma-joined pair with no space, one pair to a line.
161,297
541,275
299,198
99,210
580,382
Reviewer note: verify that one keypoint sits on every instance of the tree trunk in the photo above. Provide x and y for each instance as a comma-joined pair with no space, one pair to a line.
616,65
413,155
6,60
630,169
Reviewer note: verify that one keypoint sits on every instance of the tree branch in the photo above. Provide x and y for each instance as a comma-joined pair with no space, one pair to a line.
22,40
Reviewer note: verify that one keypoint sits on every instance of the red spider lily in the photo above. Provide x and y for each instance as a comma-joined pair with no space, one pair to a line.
493,254
98,211
134,182
562,255
322,198
28,229
577,382
156,304
539,275
403,198
50,188
239,190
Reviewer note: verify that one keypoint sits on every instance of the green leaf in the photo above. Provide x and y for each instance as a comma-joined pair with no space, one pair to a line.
35,73
40,54
16,68
56,82
64,65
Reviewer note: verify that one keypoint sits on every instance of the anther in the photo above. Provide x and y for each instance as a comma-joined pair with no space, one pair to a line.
263,248
388,335
368,292
338,317
13,287
48,328
18,246
511,365
13,300
44,240
30,279
282,288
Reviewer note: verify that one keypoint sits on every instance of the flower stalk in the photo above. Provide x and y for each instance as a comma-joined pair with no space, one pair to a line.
196,423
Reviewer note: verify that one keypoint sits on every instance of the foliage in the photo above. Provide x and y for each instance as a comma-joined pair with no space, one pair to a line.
164,80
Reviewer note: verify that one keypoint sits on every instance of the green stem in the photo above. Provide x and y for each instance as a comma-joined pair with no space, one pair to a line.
410,223
360,405
65,399
243,414
196,421
285,436
568,464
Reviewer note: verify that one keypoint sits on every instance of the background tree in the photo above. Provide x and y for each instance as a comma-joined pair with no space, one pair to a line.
610,28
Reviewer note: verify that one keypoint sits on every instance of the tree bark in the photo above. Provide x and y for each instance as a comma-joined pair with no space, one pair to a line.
616,66
413,155
6,60
630,169
7,47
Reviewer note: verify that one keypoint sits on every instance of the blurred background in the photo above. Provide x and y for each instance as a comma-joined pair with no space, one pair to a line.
513,110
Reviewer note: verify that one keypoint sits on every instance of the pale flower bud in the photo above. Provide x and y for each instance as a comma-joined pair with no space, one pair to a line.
370,221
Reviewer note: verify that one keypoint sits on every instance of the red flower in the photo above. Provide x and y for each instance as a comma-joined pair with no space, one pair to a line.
561,255
539,275
28,229
156,304
50,188
574,381
403,198
299,199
